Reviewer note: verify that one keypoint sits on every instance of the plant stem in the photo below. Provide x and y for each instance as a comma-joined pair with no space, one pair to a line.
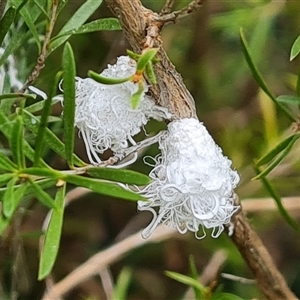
45,49
171,92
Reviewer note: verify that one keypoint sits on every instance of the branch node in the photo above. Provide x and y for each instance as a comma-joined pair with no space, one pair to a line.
167,16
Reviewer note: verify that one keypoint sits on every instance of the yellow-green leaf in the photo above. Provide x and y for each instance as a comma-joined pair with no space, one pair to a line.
53,234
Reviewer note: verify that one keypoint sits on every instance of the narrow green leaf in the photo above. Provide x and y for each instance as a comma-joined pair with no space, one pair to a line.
122,284
20,191
295,48
225,296
119,175
53,234
34,9
5,105
279,158
39,145
8,203
42,172
41,8
29,191
53,142
103,188
136,97
192,267
39,105
133,55
145,58
276,150
6,164
69,73
18,195
194,274
187,280
284,213
6,21
298,86
17,39
41,195
6,127
105,80
20,4
97,25
4,178
4,120
259,78
62,4
150,72
78,18
288,99
16,142
27,17
16,95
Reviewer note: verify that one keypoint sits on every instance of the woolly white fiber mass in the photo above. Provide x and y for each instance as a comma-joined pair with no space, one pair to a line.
9,69
103,113
192,182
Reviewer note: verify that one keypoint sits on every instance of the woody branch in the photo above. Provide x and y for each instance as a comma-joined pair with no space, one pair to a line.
142,29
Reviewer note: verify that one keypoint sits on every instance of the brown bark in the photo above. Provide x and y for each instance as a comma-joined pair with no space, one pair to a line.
139,23
142,30
270,281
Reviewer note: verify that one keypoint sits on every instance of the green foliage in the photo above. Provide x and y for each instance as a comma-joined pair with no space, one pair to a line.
274,156
122,284
295,48
53,233
201,291
27,129
69,72
284,213
259,78
42,125
16,142
105,80
194,283
281,151
78,19
119,175
146,57
144,66
101,24
136,97
51,140
37,159
6,22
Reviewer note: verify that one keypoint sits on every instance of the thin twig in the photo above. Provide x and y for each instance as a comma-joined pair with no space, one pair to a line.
179,14
212,269
171,92
291,204
107,282
210,272
104,258
237,278
270,281
45,49
167,7
208,275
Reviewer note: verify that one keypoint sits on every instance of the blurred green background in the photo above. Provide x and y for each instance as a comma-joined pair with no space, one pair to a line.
205,48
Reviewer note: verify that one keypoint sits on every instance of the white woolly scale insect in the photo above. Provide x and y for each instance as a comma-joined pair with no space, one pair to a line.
9,69
192,182
103,113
